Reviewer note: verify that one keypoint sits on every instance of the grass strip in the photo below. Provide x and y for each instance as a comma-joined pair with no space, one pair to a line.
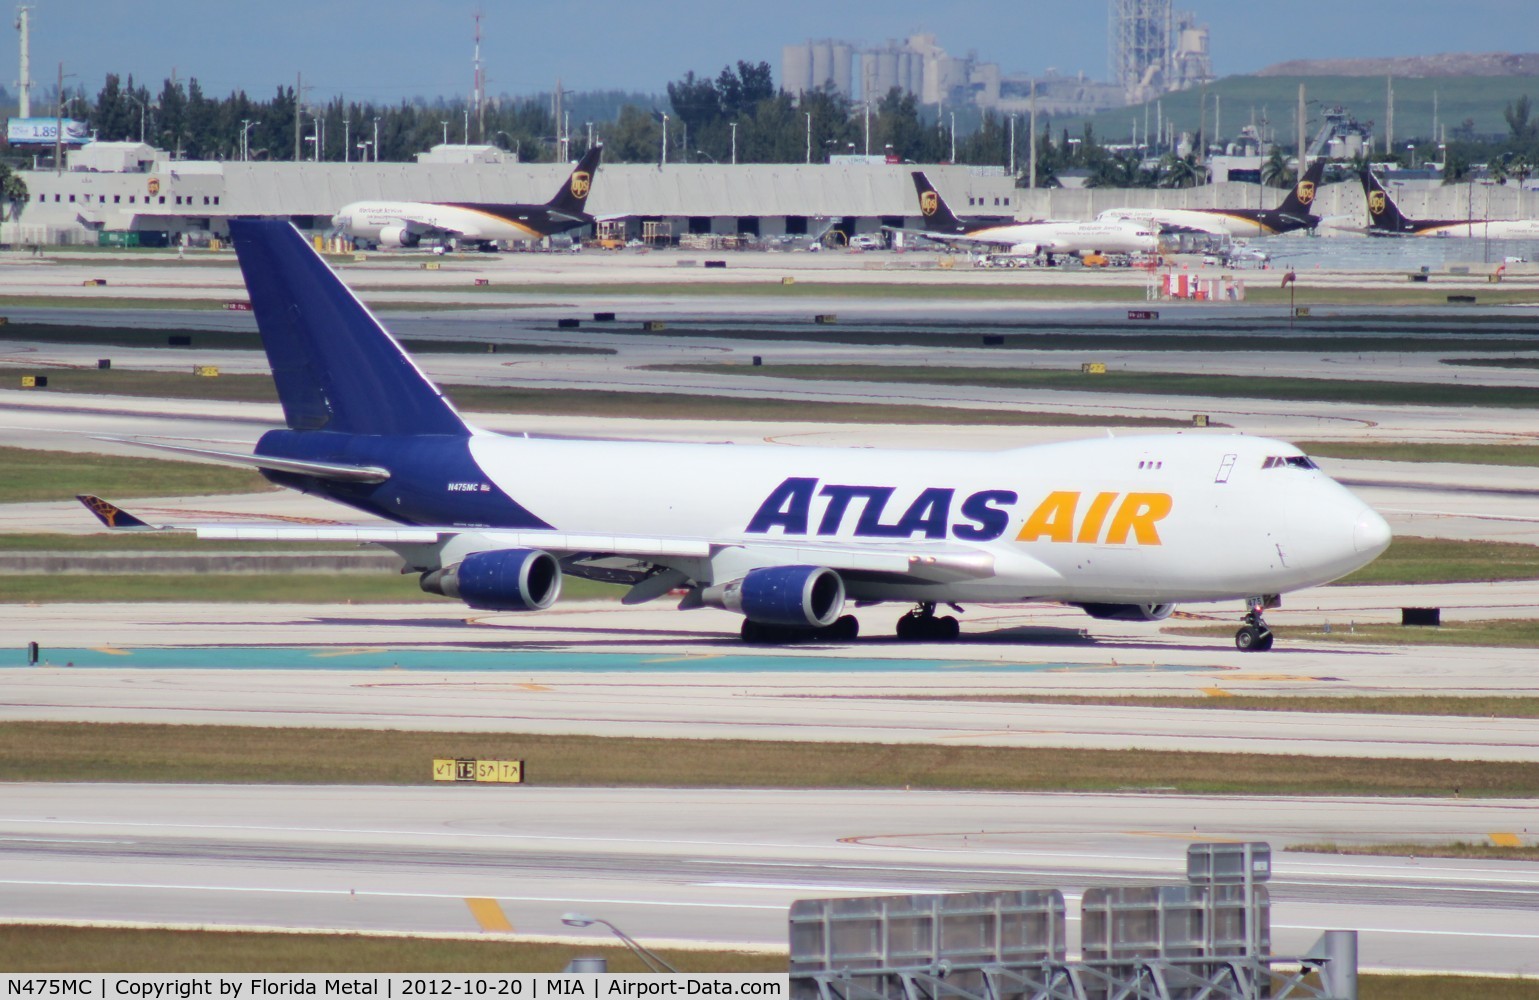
121,541
1467,706
1107,337
1457,849
247,588
243,340
61,751
30,948
1493,362
964,282
1522,455
33,475
578,403
1410,559
1221,386
1504,633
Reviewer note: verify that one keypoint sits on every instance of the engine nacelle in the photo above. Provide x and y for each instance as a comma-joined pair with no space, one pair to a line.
801,596
1129,612
501,580
398,236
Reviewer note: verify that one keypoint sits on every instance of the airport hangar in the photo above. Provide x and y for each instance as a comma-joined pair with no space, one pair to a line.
118,187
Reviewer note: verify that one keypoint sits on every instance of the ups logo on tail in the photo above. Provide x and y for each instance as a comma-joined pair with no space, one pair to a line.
1376,202
929,203
1306,192
581,182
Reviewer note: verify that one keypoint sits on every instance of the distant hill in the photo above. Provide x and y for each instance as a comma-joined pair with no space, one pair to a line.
1446,64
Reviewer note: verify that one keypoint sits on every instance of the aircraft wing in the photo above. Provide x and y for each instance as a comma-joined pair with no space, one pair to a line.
959,240
938,562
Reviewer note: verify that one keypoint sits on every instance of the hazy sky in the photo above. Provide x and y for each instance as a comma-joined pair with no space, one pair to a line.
385,50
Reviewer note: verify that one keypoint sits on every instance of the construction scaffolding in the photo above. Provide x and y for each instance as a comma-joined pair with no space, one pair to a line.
1208,939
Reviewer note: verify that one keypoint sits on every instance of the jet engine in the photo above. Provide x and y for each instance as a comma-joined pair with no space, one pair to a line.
398,236
502,580
1129,612
798,596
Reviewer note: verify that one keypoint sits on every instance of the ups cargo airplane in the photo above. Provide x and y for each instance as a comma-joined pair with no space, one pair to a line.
405,223
1124,528
1386,219
1293,214
1026,239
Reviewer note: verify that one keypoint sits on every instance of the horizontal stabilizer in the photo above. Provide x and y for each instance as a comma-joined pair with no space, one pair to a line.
112,515
298,467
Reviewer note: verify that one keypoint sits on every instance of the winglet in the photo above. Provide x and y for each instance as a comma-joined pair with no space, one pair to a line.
111,514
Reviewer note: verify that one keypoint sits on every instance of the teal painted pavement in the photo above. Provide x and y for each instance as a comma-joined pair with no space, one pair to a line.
377,658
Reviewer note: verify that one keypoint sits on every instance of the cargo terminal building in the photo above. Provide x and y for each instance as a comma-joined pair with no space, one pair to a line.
125,188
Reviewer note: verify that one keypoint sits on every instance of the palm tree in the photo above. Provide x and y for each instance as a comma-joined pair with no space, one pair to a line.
1180,172
1275,171
14,190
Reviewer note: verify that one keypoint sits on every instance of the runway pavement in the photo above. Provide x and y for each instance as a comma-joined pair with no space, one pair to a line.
723,865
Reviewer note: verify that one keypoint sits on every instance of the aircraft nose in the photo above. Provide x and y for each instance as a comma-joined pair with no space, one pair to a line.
1370,534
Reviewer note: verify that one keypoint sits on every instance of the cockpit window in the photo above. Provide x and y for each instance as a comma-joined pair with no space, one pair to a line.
1289,462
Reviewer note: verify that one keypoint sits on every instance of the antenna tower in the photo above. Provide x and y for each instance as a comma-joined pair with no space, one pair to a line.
478,92
24,85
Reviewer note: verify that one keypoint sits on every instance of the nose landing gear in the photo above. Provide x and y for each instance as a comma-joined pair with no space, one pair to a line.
922,625
1254,636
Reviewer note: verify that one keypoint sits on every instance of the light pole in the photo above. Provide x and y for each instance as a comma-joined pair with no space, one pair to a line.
246,125
1410,151
733,126
665,140
364,145
1012,147
131,97
867,109
649,958
446,131
375,147
347,141
809,136
953,136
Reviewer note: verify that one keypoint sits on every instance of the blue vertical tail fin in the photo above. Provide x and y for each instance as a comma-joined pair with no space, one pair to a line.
336,367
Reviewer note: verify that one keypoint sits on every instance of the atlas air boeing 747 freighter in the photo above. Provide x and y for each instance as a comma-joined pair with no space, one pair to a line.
788,538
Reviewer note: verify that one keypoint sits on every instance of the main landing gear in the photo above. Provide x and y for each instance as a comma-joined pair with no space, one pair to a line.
844,629
1253,636
921,625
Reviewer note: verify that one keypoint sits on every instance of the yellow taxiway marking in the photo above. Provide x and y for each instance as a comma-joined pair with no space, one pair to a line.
1506,839
361,651
533,687
1217,693
684,659
111,651
489,915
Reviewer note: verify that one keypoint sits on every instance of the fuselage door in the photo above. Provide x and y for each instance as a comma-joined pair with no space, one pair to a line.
1224,469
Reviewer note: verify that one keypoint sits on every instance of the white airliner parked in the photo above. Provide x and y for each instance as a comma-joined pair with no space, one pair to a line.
1027,239
405,223
1292,215
787,537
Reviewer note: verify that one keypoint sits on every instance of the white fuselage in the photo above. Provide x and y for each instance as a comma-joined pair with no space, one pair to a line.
1158,518
379,221
1493,229
1216,222
1071,237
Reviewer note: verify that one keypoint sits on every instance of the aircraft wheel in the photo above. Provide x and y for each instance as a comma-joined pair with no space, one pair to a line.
751,631
948,628
910,628
1250,639
846,629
